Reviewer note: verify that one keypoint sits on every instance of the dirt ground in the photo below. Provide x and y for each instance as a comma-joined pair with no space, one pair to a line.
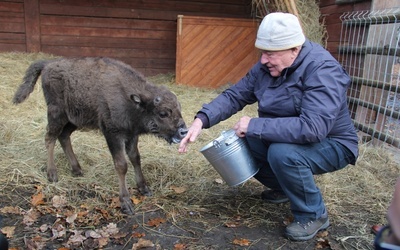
213,225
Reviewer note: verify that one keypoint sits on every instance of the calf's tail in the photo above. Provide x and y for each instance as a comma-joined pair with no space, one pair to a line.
30,78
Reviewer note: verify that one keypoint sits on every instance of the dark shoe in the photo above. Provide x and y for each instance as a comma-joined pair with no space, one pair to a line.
273,196
305,231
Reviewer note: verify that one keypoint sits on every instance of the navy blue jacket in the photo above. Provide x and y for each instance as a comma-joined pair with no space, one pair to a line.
306,104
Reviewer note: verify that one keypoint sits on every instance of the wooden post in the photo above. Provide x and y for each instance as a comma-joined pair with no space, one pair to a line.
32,25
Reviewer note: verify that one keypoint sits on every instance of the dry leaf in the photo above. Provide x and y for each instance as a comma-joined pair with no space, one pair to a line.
115,203
288,220
241,242
37,199
30,217
8,231
179,247
10,210
111,229
43,228
104,212
92,234
137,200
142,243
103,242
58,231
59,201
138,235
119,235
219,181
322,234
322,244
70,219
155,222
178,190
76,238
231,224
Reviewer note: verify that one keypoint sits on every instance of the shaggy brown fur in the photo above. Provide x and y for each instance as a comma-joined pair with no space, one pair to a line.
105,94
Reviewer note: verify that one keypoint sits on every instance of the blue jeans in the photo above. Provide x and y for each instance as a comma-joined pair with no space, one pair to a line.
290,168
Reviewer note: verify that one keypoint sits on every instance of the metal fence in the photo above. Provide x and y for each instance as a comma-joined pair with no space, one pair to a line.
369,51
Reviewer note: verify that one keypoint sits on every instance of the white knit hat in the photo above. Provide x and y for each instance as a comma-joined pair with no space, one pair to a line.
279,31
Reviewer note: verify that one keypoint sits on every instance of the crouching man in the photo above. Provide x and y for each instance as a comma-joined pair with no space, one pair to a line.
303,126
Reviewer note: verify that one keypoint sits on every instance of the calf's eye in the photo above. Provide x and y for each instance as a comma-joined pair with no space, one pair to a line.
163,114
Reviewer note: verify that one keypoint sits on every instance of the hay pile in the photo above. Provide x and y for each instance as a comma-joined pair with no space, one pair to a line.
357,196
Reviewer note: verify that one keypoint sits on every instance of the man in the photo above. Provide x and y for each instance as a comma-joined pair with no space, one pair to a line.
304,127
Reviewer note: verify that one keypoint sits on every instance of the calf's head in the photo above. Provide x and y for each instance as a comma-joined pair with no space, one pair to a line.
162,115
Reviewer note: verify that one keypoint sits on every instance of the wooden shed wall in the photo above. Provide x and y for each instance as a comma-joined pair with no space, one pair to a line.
331,11
141,33
212,52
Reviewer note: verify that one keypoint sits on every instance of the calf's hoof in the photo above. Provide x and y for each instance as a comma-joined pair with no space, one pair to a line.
77,172
127,206
52,175
145,191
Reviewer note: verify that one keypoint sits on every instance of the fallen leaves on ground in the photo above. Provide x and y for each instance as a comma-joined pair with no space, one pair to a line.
155,222
178,190
241,242
142,243
70,225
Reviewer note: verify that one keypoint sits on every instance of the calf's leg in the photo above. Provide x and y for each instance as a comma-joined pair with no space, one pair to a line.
65,140
56,121
121,167
134,156
51,167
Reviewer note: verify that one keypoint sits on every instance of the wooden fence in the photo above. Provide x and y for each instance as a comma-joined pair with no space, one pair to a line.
140,33
214,51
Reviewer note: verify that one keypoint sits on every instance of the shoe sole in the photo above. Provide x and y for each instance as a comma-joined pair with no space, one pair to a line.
284,200
307,237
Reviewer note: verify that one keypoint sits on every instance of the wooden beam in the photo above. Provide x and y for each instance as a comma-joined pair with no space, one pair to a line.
32,25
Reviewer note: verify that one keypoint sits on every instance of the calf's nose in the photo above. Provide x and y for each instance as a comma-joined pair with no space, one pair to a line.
182,132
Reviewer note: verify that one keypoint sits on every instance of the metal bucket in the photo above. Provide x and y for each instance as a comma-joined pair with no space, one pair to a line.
231,157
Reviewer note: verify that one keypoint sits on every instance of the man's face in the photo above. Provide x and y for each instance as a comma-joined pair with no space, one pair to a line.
277,61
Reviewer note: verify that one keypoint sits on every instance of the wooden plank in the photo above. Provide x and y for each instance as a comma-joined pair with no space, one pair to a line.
204,60
220,21
11,19
191,7
32,25
7,47
120,23
11,7
12,38
12,27
109,42
107,32
214,51
109,52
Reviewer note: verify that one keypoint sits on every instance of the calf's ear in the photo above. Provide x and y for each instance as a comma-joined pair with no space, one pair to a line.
135,98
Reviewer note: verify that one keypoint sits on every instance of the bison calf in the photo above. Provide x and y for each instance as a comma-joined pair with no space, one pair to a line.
105,94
